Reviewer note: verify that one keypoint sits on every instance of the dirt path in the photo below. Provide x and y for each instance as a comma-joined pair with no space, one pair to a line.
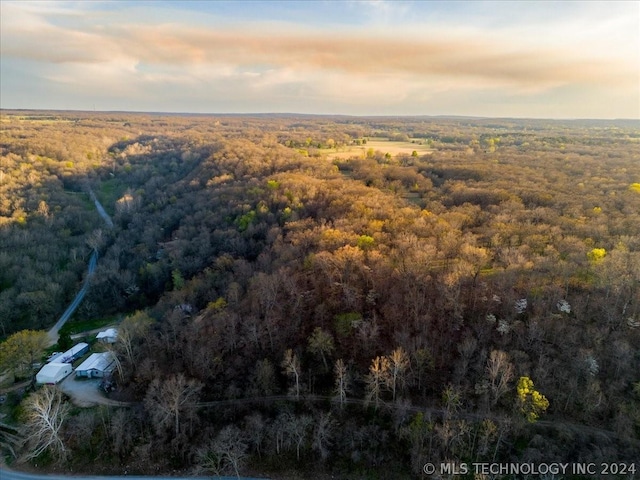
92,398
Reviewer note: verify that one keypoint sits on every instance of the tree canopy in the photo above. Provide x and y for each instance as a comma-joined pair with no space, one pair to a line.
333,294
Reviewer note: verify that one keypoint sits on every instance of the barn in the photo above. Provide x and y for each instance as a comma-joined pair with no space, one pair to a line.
53,373
97,365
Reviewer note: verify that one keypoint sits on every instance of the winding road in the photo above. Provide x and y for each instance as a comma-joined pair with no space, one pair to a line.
54,332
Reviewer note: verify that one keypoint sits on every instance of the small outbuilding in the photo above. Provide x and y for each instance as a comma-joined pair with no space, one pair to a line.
108,336
97,365
53,373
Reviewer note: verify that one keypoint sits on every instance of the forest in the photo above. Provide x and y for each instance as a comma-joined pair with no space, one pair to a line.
305,296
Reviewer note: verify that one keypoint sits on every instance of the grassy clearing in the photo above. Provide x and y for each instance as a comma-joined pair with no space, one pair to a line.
109,192
384,146
78,326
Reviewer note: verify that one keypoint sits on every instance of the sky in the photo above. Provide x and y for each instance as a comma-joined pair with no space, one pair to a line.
537,59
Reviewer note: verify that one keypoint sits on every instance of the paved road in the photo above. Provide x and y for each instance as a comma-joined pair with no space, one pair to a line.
105,216
54,332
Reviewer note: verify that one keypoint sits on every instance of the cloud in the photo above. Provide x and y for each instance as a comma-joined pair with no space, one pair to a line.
178,45
98,49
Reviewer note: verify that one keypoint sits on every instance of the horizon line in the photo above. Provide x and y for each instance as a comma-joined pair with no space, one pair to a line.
299,114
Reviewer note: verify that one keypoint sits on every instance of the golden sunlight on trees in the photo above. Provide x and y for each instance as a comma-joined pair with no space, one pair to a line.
427,280
377,379
399,363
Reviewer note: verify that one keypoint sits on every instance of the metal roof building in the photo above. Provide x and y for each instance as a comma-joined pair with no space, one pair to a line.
53,373
96,366
73,353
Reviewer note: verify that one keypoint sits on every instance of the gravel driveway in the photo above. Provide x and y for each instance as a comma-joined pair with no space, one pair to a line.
86,392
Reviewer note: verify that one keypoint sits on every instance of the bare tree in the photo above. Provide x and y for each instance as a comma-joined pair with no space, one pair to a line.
291,366
488,433
171,401
226,452
398,365
132,329
451,400
500,373
367,333
278,432
322,434
377,379
298,428
45,412
122,431
267,289
96,240
255,428
80,429
342,381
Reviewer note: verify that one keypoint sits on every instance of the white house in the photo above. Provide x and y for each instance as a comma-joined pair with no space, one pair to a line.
108,336
96,366
53,373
